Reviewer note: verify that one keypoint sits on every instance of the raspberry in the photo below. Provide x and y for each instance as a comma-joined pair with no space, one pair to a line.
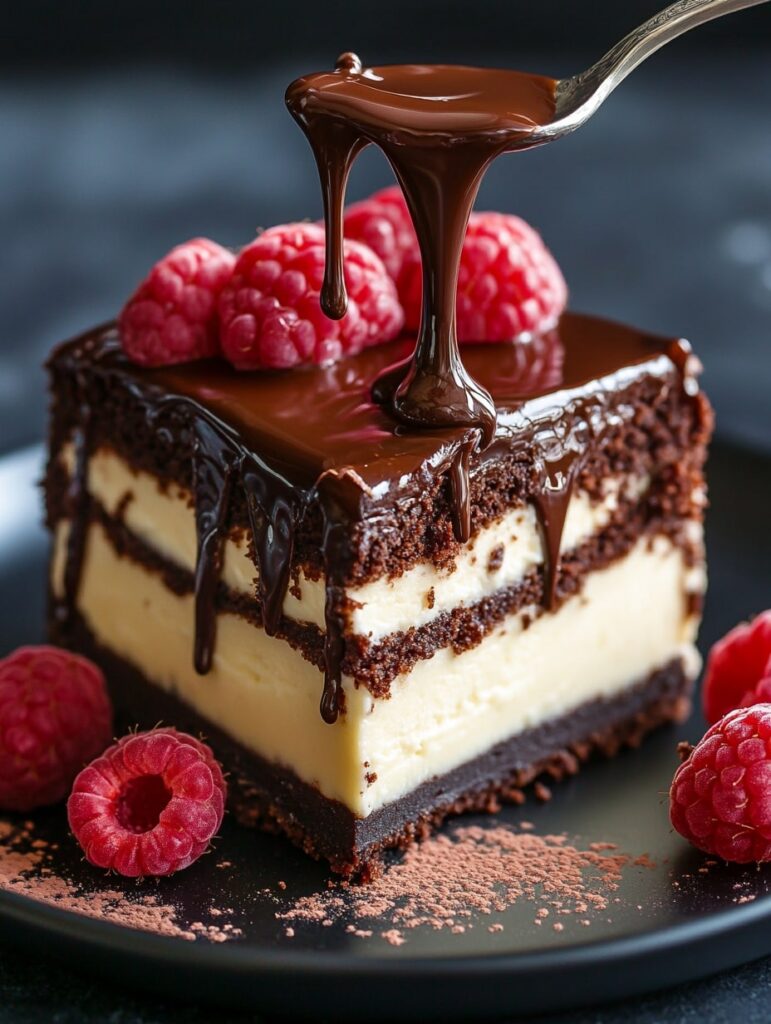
172,316
383,223
55,716
735,666
270,313
150,805
508,282
720,798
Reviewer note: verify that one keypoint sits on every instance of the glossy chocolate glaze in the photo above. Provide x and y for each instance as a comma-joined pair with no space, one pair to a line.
440,126
295,438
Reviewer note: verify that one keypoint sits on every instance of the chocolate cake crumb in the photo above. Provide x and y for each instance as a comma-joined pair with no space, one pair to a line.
452,879
430,597
495,558
26,868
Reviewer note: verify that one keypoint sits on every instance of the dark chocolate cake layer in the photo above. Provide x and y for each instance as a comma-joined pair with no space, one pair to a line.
273,797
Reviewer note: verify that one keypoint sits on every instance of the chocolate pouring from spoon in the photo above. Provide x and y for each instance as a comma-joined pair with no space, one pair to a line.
440,127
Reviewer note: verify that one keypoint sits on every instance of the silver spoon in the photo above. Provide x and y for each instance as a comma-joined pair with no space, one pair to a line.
578,97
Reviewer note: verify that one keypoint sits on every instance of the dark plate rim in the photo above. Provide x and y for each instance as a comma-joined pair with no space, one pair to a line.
238,957
438,986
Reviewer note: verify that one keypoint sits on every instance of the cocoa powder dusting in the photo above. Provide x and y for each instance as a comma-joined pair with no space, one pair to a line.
26,868
453,878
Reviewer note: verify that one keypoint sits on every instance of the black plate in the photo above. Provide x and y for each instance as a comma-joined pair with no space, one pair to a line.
657,933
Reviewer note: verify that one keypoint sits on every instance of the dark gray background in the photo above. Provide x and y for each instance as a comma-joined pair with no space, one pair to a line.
125,128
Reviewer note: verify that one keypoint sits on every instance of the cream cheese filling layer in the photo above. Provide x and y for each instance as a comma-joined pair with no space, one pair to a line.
498,556
629,619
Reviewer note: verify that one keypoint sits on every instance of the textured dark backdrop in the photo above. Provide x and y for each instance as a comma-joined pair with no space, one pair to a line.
127,127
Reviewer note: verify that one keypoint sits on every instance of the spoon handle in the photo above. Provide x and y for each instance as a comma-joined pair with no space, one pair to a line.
586,91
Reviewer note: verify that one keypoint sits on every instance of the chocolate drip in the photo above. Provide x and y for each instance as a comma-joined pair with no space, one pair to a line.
78,503
212,482
275,509
333,546
460,488
551,500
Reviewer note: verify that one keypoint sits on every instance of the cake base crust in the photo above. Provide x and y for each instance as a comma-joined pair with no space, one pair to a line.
273,798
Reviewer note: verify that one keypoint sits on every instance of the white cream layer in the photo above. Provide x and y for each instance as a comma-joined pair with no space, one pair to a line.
629,619
164,519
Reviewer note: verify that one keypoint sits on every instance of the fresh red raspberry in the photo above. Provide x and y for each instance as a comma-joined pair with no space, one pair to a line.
383,222
720,798
270,314
735,666
55,716
172,316
150,805
509,284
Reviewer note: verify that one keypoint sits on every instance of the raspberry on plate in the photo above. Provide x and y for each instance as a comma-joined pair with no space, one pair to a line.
172,316
270,316
735,666
150,805
720,798
55,716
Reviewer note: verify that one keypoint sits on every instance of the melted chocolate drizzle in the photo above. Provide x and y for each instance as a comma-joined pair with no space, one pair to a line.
78,501
212,484
333,546
275,509
551,500
460,488
440,127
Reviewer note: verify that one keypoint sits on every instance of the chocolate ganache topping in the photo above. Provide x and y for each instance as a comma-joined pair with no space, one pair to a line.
292,440
386,425
440,126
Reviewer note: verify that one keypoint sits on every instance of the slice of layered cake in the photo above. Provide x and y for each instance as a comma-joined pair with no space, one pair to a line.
388,577
374,626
